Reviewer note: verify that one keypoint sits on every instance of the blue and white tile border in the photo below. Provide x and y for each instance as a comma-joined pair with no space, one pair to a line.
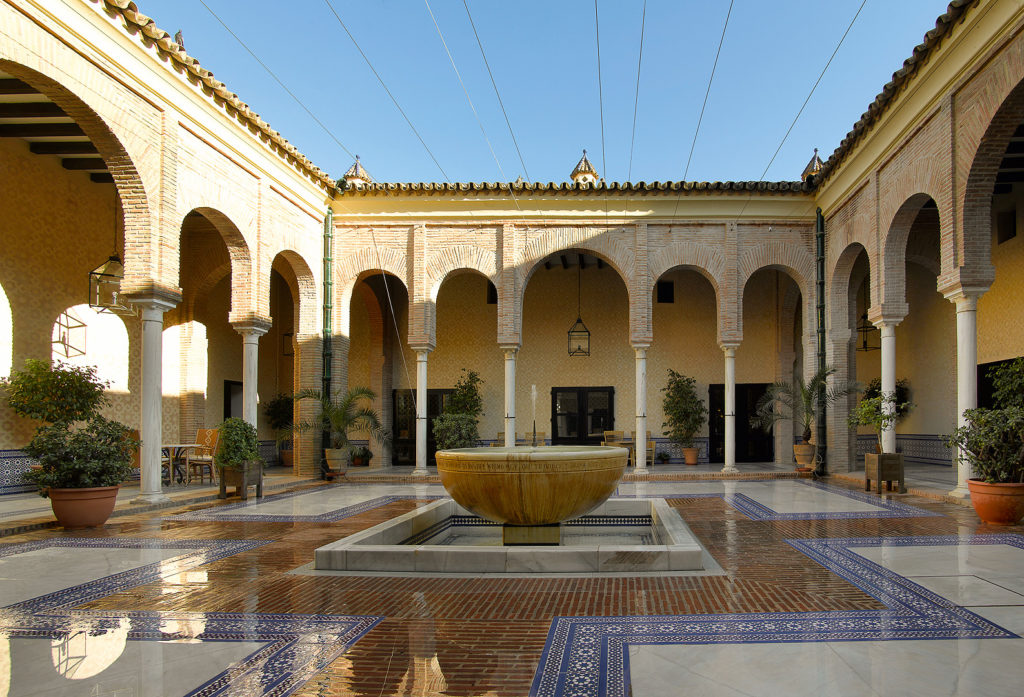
296,647
14,464
586,656
227,513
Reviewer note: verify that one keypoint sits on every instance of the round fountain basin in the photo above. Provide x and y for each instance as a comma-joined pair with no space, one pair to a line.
531,485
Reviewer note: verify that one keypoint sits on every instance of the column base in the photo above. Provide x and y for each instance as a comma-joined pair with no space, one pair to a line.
960,492
420,472
730,469
150,498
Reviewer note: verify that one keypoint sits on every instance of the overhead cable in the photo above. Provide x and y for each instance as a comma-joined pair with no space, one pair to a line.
636,97
278,80
600,90
496,92
381,81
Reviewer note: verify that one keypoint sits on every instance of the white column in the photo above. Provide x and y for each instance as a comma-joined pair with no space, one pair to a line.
510,396
421,412
640,435
888,332
151,423
250,370
966,377
730,409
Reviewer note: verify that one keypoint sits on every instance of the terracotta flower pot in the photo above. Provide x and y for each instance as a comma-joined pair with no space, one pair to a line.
337,459
83,508
690,455
997,504
803,453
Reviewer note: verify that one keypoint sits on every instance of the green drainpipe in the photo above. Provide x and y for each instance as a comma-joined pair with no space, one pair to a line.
328,353
819,237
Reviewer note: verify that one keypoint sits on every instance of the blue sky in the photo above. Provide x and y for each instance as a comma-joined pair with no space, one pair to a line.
544,59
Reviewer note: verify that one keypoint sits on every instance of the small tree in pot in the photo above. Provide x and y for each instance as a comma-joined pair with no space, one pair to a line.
456,427
992,441
238,458
83,457
345,414
278,412
685,413
881,466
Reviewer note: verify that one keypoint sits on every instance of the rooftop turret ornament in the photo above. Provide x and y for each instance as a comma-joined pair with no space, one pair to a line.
813,167
357,176
584,172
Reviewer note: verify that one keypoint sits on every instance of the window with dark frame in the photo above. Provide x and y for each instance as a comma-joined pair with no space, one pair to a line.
666,291
1006,225
492,294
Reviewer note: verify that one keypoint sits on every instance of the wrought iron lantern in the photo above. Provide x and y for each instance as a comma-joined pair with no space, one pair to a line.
864,334
105,281
579,335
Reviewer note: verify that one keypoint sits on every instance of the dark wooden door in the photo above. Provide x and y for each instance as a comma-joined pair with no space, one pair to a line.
752,444
581,415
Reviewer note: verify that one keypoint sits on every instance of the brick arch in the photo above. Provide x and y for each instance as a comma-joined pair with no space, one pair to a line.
702,258
890,299
796,262
459,258
304,290
840,302
131,190
615,252
243,290
973,250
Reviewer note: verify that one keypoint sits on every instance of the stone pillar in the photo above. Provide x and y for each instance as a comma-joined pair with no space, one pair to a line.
421,412
966,375
510,394
251,333
151,423
888,332
640,435
730,408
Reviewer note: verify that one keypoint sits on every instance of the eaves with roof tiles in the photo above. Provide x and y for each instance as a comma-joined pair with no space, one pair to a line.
943,24
565,188
215,89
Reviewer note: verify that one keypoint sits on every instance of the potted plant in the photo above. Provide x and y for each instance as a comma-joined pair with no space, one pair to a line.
992,441
880,466
238,458
278,412
456,426
361,456
341,416
685,413
799,401
82,456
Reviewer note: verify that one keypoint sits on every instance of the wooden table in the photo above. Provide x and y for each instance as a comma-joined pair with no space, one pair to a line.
177,455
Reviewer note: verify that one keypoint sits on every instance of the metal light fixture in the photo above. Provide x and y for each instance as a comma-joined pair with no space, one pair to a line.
579,335
105,281
69,334
864,331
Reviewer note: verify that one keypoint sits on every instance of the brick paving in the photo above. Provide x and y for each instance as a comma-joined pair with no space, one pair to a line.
474,635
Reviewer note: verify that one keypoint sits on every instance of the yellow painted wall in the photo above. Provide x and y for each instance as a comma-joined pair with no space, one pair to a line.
1000,314
224,357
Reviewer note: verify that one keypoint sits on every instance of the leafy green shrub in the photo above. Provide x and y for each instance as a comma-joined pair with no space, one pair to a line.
868,412
237,443
901,399
58,394
363,453
466,398
993,442
684,410
455,431
1008,384
99,454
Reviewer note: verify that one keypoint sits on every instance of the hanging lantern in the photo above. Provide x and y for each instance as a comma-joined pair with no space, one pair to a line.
579,335
105,281
864,331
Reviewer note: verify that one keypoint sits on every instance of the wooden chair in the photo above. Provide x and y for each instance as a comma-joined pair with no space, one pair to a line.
616,436
200,460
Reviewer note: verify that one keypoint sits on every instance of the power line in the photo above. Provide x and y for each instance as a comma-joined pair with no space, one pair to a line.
381,81
707,92
636,98
277,79
496,92
600,89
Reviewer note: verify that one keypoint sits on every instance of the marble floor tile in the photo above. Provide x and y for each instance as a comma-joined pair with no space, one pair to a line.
948,560
969,591
1007,617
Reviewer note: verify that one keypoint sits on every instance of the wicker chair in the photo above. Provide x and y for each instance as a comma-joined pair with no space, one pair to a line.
200,460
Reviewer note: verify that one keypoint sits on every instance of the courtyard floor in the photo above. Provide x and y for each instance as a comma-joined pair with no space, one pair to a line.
810,588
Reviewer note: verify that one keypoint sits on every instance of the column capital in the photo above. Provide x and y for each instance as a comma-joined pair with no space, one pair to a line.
729,347
506,348
252,326
883,316
960,294
153,303
640,345
421,348
158,297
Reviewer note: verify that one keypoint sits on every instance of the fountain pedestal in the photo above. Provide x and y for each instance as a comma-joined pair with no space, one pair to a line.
531,534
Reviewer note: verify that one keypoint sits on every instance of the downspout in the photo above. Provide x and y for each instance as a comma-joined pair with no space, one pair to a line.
328,353
819,238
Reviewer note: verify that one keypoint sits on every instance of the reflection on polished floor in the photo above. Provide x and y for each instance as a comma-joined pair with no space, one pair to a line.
822,590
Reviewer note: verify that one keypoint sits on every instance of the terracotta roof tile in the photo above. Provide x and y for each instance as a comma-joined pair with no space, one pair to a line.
601,188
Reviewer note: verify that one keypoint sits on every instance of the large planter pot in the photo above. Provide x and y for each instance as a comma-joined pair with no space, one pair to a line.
83,508
337,460
287,458
884,467
803,453
997,504
250,474
690,455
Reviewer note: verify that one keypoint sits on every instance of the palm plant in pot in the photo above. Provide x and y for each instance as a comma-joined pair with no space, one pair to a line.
685,413
345,414
238,458
278,412
799,401
992,441
82,456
